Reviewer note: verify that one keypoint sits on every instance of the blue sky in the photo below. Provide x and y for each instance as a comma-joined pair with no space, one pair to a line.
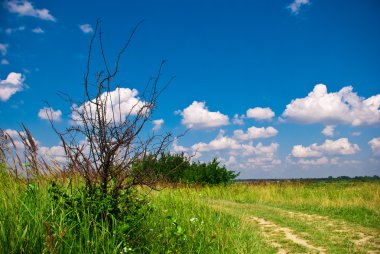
301,77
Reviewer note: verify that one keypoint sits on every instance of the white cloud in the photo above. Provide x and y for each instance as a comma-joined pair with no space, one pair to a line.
356,133
339,147
259,156
260,113
264,162
198,116
11,85
344,107
328,131
38,30
254,132
157,124
13,133
123,100
17,140
296,6
25,8
238,120
86,28
330,147
231,161
178,148
54,153
48,154
300,151
48,112
4,62
221,142
259,149
375,146
314,162
243,156
3,48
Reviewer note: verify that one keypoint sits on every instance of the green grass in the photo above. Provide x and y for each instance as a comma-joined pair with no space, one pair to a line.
330,215
334,217
32,223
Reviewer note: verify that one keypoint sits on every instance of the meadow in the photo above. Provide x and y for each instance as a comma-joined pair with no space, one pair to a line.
271,217
267,217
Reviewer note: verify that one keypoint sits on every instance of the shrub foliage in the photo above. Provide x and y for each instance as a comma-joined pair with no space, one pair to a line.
177,168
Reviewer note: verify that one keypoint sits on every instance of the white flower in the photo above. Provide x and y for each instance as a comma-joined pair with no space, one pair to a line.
193,220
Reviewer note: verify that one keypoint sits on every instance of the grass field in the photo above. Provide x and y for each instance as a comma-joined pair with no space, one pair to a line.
334,217
285,217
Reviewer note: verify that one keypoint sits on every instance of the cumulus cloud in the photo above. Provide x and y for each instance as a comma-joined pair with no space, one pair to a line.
13,133
4,62
86,28
314,162
178,148
296,6
259,149
38,30
157,124
25,8
16,137
259,156
238,120
254,132
123,100
198,116
48,112
260,113
11,85
53,153
244,156
300,151
375,146
328,131
221,142
344,106
264,162
229,162
330,147
3,48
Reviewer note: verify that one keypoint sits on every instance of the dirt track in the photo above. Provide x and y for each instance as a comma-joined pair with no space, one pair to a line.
296,232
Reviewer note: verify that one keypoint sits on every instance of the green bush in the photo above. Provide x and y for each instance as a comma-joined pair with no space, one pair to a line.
177,168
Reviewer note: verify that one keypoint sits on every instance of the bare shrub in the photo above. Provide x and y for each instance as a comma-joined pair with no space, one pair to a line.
107,136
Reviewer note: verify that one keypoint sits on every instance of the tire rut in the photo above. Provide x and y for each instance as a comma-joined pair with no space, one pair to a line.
356,238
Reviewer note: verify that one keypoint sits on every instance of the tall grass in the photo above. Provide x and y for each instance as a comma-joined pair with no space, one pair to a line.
31,222
181,221
357,202
176,220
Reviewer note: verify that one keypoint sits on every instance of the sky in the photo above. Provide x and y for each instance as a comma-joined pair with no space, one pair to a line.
273,89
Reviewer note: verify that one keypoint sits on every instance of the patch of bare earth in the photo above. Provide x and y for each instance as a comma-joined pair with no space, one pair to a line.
361,237
278,237
271,229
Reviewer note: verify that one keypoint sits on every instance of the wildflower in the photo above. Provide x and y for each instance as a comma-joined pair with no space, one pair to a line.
193,220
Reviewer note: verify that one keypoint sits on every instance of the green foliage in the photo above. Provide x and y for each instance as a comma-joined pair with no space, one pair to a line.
177,168
209,173
120,215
